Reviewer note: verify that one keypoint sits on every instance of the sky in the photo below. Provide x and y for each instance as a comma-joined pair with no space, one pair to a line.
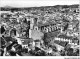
36,3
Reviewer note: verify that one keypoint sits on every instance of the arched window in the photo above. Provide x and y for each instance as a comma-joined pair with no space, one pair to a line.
2,29
13,32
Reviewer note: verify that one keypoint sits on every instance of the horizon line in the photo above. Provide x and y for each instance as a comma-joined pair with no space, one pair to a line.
6,6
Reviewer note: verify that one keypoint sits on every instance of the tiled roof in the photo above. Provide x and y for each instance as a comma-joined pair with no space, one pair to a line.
26,41
9,39
52,34
65,37
46,24
60,43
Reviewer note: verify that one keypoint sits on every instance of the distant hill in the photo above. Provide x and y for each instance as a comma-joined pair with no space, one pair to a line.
7,8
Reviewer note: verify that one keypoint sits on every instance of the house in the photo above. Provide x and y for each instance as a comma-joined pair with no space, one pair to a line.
25,42
50,28
59,47
63,40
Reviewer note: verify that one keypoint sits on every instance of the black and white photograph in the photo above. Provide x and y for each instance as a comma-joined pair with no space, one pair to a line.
39,27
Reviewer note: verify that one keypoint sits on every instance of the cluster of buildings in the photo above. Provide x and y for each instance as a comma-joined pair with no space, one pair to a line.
29,27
